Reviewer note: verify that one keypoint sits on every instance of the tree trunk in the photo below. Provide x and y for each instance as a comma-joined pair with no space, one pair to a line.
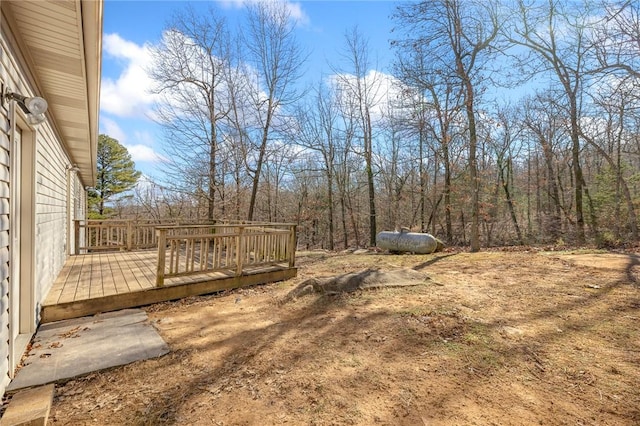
343,217
212,172
330,210
507,193
368,142
447,191
263,151
423,178
552,189
433,217
354,222
473,166
577,169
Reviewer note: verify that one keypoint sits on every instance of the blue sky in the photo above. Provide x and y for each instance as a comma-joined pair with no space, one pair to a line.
130,27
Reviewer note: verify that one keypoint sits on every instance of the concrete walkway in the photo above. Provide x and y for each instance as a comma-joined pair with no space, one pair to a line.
70,348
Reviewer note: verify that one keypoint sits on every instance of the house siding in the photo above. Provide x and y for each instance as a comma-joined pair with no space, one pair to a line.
77,207
51,212
53,185
5,127
4,231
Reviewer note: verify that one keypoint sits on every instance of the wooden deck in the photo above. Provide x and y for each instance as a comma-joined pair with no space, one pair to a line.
108,281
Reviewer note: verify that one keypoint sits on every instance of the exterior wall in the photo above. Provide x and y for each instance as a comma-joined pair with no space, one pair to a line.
4,229
51,211
54,189
77,208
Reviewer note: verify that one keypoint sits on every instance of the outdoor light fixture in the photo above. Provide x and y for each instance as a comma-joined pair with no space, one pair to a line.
34,107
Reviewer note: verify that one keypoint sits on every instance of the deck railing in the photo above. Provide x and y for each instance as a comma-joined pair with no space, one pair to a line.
193,249
115,234
197,249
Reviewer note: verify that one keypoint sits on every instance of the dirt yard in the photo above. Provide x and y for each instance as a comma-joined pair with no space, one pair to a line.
492,338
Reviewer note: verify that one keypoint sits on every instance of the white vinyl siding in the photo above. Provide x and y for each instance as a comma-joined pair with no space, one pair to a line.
51,212
51,194
5,127
4,250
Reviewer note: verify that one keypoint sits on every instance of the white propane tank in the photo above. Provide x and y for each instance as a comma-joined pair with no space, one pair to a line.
414,242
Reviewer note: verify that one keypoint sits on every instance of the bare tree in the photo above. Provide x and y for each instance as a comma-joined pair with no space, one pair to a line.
362,87
438,103
276,171
557,36
606,132
346,166
617,38
188,68
505,143
395,160
159,203
542,119
273,50
240,121
317,131
459,36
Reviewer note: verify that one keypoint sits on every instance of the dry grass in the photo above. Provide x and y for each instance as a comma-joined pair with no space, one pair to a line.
487,338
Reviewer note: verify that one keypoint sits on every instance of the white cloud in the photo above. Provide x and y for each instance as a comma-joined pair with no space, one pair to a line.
299,15
142,146
381,89
294,8
113,129
140,153
129,94
144,149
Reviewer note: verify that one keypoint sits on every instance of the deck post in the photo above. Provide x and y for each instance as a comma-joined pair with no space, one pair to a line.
162,254
76,236
292,246
240,249
129,235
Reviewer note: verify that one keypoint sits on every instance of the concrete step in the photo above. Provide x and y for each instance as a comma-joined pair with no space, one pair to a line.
29,407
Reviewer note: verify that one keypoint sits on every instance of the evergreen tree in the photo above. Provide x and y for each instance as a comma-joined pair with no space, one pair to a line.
116,173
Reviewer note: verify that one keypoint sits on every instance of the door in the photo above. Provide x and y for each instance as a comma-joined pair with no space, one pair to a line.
21,248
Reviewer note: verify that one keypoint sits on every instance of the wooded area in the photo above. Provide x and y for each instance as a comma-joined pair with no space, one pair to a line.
500,123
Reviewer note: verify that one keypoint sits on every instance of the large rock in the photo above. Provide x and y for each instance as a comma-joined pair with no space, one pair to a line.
413,242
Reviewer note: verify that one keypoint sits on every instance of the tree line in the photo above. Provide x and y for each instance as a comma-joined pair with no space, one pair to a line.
498,123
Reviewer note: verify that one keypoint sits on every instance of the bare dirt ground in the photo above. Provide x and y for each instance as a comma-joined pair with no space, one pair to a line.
491,338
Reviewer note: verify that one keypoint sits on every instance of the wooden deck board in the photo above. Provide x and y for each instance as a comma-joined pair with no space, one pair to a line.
56,291
120,282
128,269
146,266
85,281
108,282
104,281
95,287
59,285
70,287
